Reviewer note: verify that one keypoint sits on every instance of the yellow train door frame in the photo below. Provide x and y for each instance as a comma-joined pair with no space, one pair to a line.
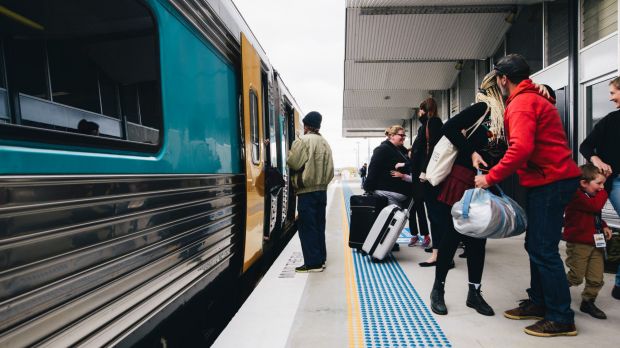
254,158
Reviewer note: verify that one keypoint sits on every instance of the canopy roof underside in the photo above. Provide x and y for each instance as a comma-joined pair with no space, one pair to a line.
398,51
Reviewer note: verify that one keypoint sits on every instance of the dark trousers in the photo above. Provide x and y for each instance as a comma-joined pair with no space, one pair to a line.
417,218
311,226
545,214
475,247
434,214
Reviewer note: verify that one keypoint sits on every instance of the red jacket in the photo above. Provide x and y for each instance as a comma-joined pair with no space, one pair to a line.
538,150
579,223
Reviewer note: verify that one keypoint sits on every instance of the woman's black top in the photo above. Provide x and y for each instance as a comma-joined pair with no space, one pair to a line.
419,154
383,160
604,142
479,141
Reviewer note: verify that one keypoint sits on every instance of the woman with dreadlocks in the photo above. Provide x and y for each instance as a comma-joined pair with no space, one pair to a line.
478,134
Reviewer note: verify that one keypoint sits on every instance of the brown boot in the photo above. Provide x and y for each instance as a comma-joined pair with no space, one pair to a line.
526,310
548,328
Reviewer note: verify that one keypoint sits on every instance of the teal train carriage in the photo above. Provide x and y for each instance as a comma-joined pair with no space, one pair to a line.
137,143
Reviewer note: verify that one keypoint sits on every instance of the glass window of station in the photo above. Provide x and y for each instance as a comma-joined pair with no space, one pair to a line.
597,103
81,72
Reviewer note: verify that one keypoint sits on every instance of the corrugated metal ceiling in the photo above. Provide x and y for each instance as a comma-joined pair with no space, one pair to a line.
389,75
404,50
395,3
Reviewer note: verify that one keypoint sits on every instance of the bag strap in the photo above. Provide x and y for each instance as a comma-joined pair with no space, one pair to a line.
466,202
477,124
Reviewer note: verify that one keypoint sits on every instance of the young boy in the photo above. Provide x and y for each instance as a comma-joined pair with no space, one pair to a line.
585,234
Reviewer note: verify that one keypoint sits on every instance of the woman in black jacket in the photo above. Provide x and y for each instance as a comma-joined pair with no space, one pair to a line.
384,159
429,134
602,148
483,123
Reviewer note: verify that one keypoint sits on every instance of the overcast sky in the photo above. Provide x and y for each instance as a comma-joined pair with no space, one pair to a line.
304,40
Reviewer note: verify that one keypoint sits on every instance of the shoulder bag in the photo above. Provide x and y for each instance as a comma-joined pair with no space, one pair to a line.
444,154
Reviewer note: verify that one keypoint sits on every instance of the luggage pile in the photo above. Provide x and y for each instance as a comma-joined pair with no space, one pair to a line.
375,226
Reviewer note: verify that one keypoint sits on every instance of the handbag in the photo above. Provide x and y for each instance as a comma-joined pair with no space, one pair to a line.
444,154
483,214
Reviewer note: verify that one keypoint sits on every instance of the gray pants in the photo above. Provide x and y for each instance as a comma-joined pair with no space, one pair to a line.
393,197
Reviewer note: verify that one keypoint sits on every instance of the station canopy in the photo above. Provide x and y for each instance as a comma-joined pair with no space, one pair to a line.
398,51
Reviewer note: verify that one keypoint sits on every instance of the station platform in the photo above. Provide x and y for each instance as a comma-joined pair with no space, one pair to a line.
357,303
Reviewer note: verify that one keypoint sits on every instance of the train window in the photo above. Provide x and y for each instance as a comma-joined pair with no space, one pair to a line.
82,67
254,130
597,103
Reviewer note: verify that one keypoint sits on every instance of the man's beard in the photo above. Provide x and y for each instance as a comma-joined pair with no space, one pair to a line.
504,91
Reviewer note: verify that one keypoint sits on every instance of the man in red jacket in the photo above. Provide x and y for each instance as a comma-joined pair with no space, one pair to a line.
539,153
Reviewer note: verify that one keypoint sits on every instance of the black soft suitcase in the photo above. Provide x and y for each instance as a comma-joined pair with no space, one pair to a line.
364,211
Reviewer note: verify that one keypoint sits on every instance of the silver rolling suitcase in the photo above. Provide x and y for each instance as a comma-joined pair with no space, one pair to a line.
385,231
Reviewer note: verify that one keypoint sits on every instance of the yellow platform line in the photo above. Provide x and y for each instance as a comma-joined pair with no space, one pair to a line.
354,321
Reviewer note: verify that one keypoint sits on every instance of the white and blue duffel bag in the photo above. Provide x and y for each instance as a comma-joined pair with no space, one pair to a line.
483,214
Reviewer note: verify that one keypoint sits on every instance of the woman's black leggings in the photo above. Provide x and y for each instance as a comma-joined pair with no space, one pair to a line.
447,248
417,217
435,214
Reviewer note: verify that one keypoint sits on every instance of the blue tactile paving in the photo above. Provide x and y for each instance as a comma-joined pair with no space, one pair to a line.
392,312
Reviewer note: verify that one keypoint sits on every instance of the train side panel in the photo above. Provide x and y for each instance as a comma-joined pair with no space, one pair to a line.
97,244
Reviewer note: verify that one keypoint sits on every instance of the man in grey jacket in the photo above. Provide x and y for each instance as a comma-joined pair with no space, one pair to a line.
310,160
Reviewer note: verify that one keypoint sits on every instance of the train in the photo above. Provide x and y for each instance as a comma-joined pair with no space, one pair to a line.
137,143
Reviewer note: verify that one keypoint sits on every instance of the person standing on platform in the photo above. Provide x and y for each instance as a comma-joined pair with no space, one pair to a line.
310,160
539,153
478,134
602,148
363,172
585,233
428,134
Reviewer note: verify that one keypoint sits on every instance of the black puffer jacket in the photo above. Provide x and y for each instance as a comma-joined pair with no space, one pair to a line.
383,160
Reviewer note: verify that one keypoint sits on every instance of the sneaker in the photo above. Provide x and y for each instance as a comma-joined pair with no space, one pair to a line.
526,310
590,308
548,328
426,242
413,241
308,269
615,293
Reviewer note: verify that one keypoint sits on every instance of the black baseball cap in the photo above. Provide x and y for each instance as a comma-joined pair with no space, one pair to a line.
513,66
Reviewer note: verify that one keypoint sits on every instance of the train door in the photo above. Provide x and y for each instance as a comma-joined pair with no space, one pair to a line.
293,129
253,140
271,160
283,147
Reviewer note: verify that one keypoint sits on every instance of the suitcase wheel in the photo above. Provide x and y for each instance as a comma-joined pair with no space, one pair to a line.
374,259
362,252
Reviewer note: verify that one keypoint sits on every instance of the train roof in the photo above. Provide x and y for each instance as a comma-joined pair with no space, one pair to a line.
222,24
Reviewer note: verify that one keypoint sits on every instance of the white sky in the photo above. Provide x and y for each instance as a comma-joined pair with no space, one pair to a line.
304,40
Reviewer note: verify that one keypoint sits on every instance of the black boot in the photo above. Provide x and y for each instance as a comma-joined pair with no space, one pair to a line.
438,305
593,310
475,301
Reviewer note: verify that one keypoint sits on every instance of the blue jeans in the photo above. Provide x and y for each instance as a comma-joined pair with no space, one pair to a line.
311,226
548,283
